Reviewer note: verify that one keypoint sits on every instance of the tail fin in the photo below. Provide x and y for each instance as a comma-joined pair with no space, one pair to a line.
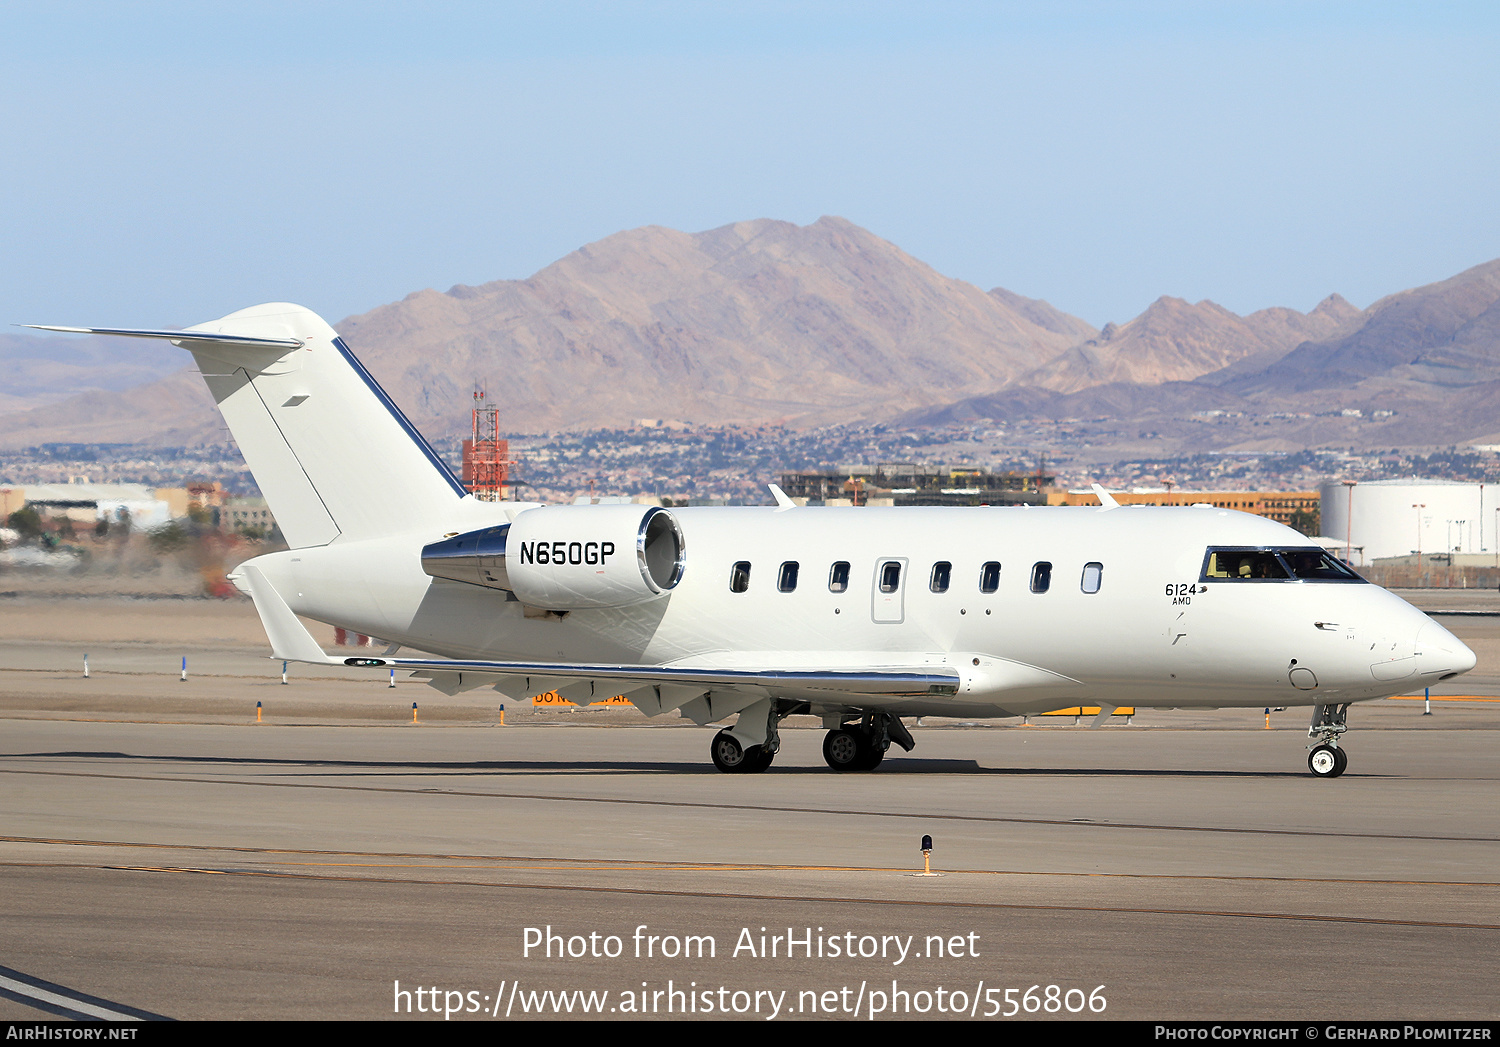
331,453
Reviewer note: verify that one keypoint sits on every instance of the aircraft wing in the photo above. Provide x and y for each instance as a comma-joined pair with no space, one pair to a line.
701,693
542,677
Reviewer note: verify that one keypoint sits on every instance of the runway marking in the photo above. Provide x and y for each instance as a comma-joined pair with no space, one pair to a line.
68,1003
782,897
766,808
1441,698
548,863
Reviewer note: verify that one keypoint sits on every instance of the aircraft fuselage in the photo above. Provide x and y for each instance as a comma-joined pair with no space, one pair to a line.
1153,632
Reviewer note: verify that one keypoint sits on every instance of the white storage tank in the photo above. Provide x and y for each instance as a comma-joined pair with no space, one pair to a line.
1380,518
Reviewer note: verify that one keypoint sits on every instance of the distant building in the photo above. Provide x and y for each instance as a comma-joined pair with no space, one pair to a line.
88,503
616,499
11,499
143,508
1287,507
1403,517
246,516
908,483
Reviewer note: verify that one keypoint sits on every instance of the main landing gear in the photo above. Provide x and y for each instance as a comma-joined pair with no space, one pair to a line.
733,758
861,746
735,750
1325,759
857,745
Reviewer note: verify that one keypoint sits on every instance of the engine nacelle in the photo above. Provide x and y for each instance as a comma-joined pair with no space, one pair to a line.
569,557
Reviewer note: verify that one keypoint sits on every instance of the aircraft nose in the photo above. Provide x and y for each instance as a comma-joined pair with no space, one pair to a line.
1442,654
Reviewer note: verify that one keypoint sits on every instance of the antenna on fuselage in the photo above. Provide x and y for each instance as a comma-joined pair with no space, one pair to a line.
783,503
1106,500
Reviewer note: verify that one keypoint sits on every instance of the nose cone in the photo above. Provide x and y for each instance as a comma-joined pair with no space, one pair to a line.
1440,653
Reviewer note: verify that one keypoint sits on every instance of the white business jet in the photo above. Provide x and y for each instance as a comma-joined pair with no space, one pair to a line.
861,616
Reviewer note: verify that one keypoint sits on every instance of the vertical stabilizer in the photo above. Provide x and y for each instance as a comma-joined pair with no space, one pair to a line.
331,453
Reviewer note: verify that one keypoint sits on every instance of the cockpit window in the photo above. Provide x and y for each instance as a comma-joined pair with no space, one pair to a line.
1244,565
1317,565
1275,565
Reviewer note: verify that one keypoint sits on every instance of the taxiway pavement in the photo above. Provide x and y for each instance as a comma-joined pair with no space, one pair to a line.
162,851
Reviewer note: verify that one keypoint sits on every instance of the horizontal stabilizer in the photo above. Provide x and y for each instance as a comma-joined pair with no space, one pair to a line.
178,336
314,427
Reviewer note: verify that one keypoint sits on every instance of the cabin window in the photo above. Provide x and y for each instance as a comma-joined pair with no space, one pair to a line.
838,577
1093,575
739,577
989,577
942,574
890,576
786,581
1041,577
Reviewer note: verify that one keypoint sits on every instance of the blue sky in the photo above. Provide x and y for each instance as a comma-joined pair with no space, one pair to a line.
165,163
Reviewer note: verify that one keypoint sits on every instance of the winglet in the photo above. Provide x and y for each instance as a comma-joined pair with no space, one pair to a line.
1106,499
289,638
783,503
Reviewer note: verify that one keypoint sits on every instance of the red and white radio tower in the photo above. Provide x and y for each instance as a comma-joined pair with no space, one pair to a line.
486,456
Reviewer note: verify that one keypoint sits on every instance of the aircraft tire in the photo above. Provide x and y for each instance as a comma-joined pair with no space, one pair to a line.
1343,762
841,749
729,755
1324,762
846,750
759,760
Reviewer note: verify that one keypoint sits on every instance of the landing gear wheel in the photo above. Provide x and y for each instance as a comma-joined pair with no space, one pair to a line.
728,754
846,750
1326,762
1327,758
873,760
733,758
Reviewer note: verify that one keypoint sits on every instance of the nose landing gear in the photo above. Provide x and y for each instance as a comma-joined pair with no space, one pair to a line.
1325,759
1327,762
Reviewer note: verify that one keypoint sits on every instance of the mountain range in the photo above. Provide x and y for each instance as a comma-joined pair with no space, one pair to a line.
767,321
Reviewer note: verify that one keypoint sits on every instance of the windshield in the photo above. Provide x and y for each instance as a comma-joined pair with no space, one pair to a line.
1307,564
